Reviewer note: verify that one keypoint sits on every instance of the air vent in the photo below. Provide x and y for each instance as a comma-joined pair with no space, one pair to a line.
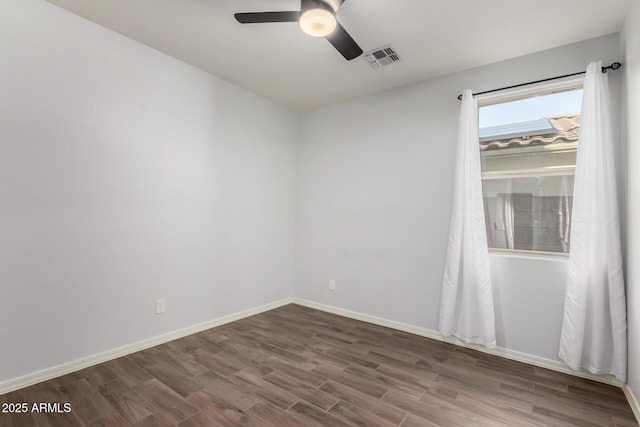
382,56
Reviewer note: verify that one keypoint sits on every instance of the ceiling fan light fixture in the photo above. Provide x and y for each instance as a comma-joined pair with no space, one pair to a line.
318,22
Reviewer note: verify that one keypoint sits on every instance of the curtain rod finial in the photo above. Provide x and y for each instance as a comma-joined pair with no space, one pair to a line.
614,66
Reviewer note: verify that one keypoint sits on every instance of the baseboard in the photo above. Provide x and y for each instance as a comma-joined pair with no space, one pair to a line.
85,362
633,402
554,365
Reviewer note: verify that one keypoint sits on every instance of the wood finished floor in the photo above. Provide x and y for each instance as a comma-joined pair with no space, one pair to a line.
296,366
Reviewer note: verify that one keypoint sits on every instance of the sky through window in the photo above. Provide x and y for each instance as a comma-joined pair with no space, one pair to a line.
533,108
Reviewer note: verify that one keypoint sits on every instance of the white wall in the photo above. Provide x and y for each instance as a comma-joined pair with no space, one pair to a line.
374,185
125,176
631,52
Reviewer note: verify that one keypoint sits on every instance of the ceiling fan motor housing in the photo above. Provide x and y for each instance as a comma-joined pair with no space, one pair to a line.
319,26
330,5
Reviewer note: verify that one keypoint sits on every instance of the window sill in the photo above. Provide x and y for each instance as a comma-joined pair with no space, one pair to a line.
516,253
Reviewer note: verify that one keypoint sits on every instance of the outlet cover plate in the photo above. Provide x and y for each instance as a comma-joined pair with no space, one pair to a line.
161,305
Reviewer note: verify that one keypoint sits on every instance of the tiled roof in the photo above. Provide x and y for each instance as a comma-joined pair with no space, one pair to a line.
568,131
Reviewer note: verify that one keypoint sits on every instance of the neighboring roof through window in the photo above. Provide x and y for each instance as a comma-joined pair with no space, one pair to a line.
545,131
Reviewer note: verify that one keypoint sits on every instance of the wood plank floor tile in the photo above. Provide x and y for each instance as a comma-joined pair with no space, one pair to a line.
200,419
215,335
110,421
128,371
223,390
145,358
411,374
47,393
302,390
386,381
571,418
271,416
595,402
281,336
519,374
253,353
305,376
57,420
288,356
183,362
352,357
415,421
165,401
317,355
13,418
264,389
572,411
471,375
457,385
392,353
602,393
92,408
364,401
440,411
155,420
366,385
193,342
490,409
213,363
17,420
312,416
395,362
43,392
174,378
242,363
297,366
226,414
71,388
97,375
538,419
356,416
628,421
128,403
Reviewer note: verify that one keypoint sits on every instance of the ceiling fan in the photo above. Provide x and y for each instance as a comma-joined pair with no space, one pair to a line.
317,18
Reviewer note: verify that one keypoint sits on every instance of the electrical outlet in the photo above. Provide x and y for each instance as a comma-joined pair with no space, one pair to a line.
161,305
332,285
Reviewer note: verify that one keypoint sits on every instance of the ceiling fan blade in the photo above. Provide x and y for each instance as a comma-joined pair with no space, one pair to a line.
344,43
260,17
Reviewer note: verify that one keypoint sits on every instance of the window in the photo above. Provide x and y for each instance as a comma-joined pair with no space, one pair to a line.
528,157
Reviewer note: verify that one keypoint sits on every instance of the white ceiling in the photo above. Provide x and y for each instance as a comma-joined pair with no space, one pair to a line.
279,62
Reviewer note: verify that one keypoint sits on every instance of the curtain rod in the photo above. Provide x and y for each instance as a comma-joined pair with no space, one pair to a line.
613,66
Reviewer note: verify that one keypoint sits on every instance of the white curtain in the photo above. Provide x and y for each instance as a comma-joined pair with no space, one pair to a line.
594,328
466,305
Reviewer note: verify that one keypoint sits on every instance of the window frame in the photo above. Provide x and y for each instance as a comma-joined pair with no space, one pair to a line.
516,94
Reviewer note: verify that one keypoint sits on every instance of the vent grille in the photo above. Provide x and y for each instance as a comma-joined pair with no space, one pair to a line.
382,56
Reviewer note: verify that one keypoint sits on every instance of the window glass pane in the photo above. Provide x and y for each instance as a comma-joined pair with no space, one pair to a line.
531,213
528,156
